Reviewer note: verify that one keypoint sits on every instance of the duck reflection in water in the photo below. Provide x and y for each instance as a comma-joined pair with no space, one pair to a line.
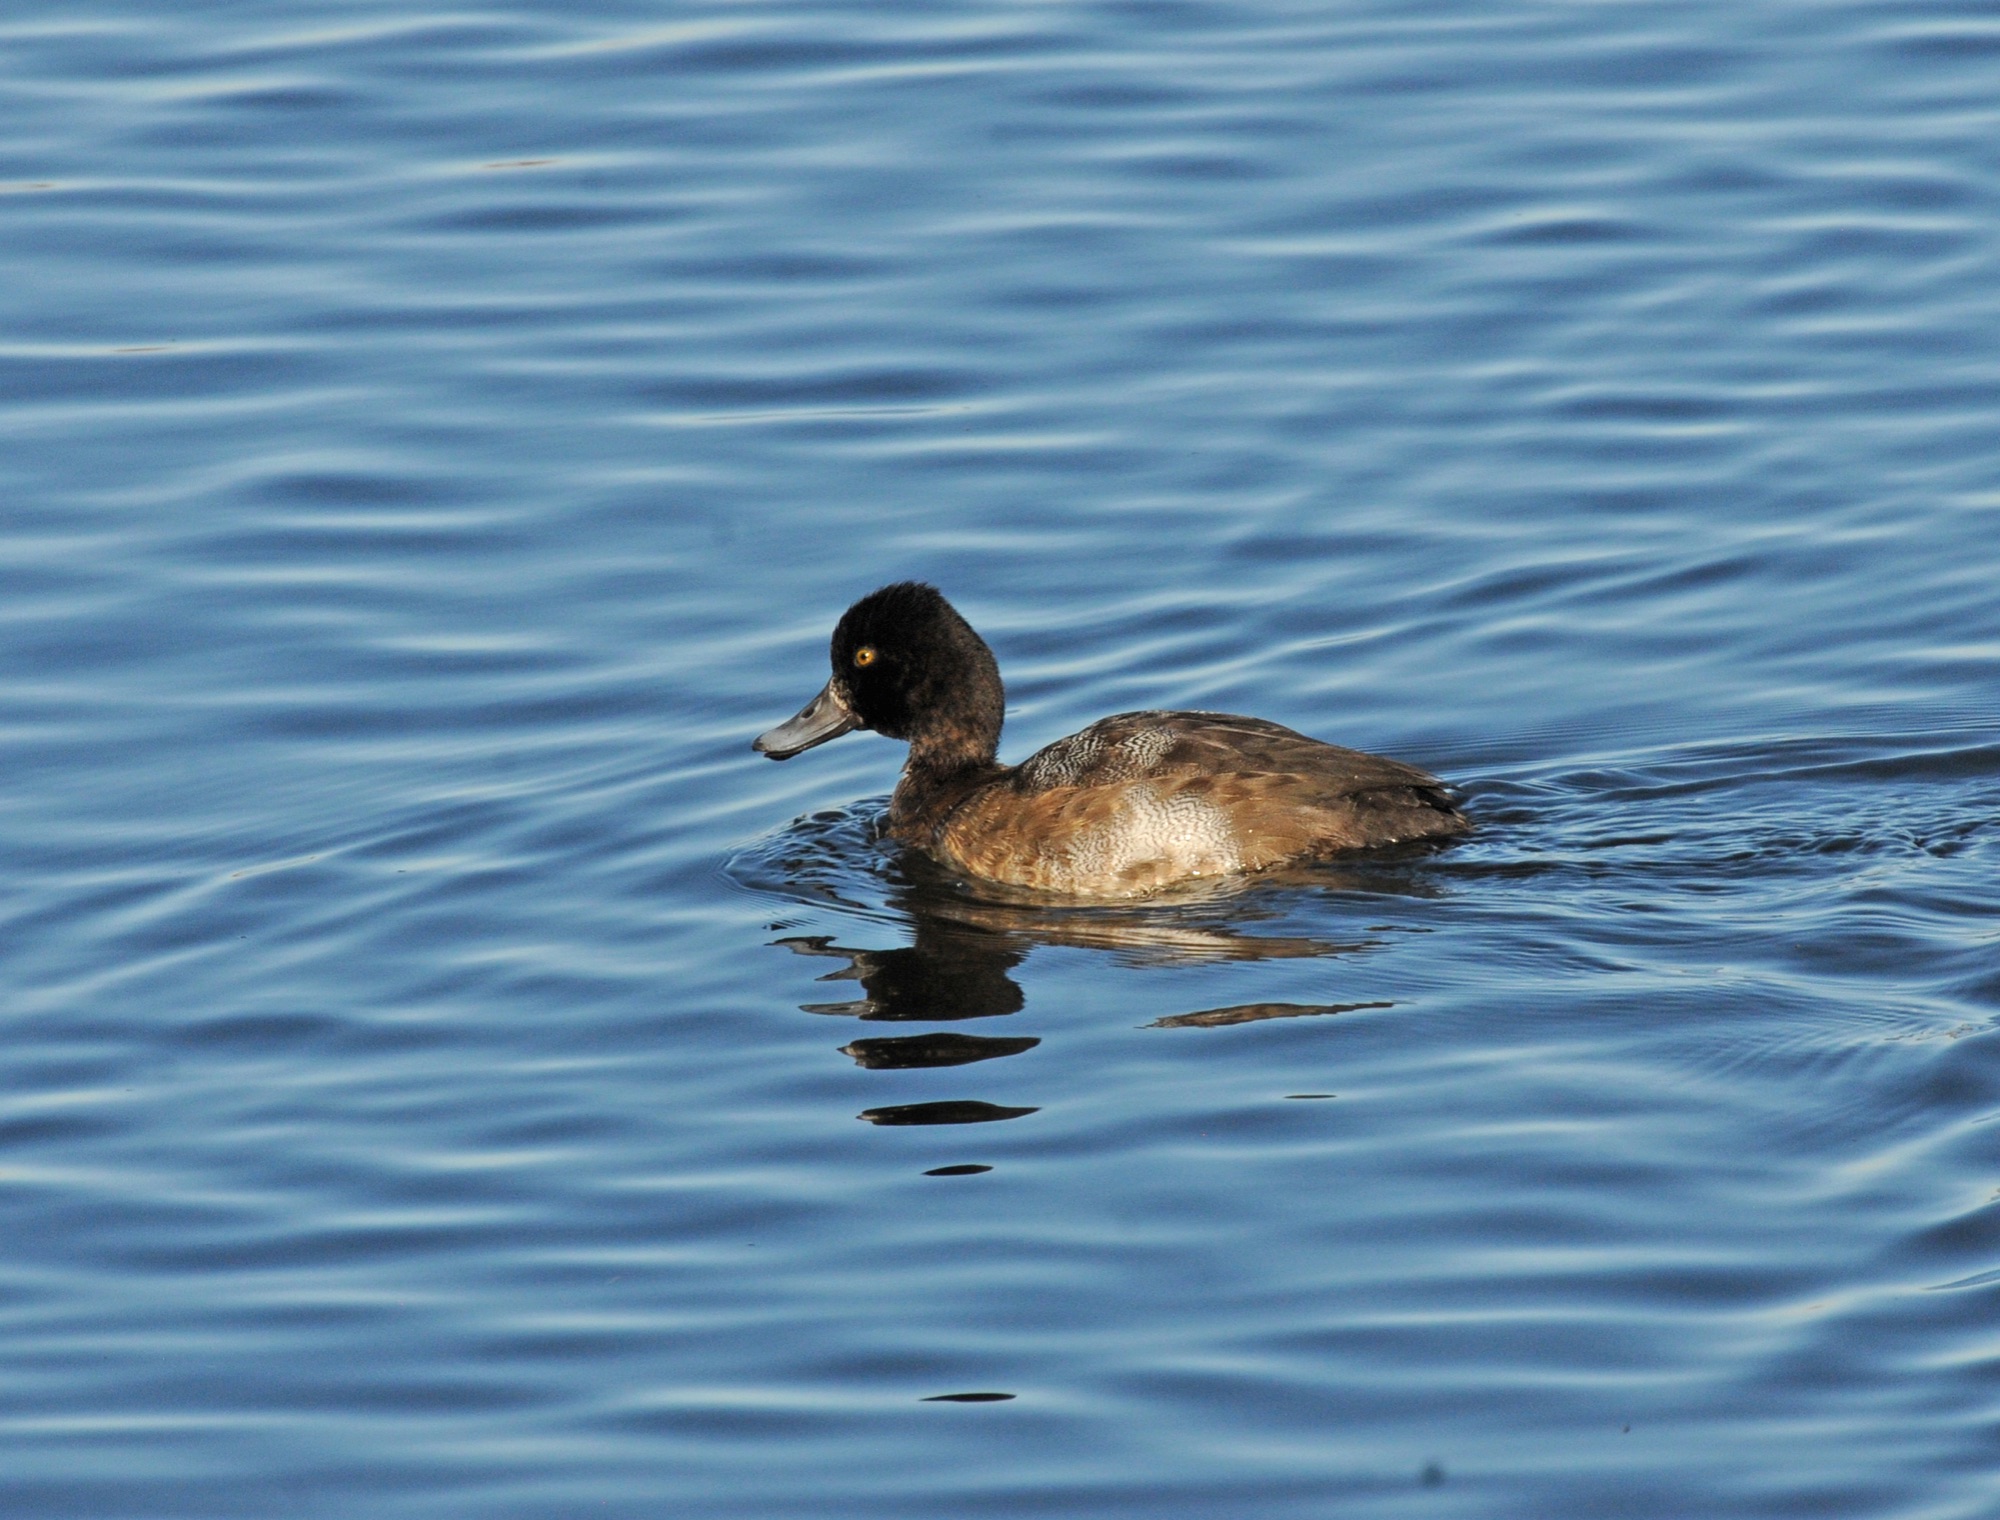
947,973
958,966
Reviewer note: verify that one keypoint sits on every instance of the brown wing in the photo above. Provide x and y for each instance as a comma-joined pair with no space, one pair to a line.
1294,797
1355,802
1131,746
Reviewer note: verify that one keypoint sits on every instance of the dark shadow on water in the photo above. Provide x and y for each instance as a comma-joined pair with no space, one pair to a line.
908,1051
949,1111
968,1398
1250,1013
947,974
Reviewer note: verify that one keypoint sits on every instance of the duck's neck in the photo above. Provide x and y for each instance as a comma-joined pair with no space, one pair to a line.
942,772
953,743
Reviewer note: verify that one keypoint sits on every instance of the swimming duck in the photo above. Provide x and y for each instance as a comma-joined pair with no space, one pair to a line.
1130,804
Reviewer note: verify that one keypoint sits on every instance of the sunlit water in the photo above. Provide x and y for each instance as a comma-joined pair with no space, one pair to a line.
448,1074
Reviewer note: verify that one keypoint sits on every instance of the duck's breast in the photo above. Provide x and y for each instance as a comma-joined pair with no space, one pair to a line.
1101,840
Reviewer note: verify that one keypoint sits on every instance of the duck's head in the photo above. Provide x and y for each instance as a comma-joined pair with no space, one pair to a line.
906,665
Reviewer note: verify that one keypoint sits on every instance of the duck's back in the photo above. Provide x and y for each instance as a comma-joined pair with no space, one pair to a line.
1143,799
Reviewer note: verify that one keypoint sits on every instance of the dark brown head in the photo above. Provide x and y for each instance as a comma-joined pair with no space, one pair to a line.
908,666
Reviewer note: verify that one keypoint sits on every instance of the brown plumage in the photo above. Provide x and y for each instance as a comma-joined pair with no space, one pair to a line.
1131,804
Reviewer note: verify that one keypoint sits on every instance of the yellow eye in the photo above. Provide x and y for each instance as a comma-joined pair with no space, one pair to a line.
864,655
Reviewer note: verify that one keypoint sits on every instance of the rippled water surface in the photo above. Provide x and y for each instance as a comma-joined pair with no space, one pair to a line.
446,1073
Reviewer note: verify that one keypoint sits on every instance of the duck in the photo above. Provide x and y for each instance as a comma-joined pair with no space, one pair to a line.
1134,803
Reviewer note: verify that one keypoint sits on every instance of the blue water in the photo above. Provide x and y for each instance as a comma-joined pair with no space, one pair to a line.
446,1073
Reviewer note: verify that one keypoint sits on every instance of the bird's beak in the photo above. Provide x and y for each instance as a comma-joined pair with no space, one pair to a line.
824,717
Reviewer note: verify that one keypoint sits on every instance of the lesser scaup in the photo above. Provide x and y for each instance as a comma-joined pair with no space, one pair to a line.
1132,803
